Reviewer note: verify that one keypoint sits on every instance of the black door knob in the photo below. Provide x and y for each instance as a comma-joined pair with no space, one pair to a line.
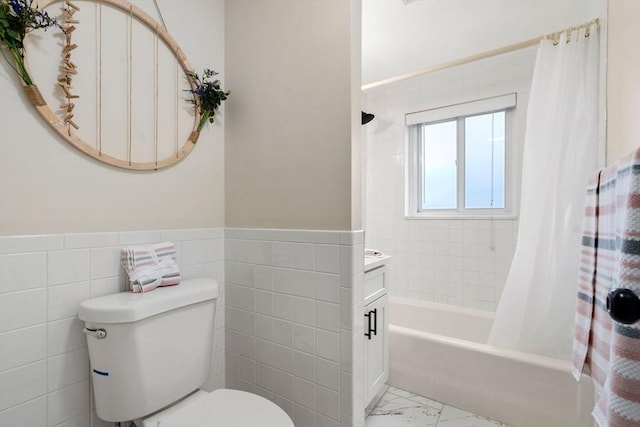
623,305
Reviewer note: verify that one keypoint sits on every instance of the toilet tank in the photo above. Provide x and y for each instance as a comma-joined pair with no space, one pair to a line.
157,347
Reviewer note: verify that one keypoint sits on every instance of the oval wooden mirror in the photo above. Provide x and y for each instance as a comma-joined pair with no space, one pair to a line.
115,84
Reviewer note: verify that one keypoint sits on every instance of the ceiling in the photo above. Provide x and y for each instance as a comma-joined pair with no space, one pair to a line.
403,36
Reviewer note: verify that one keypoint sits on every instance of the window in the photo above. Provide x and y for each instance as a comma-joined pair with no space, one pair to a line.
459,159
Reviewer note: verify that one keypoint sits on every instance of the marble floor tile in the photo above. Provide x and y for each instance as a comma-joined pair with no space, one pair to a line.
415,397
405,420
454,417
394,411
400,408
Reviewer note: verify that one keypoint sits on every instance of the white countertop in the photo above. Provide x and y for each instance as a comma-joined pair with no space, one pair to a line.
371,262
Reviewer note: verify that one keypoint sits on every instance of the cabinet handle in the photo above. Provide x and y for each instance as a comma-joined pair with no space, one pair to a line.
372,313
375,321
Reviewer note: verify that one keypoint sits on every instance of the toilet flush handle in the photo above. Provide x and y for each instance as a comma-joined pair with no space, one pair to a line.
99,333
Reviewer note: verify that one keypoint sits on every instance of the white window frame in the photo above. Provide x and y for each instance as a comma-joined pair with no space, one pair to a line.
413,185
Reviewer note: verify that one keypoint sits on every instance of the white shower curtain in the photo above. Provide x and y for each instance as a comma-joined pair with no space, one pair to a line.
537,307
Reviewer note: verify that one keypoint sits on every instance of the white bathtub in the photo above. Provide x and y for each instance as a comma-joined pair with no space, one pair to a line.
438,351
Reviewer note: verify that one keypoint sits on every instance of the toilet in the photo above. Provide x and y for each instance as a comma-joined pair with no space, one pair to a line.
150,353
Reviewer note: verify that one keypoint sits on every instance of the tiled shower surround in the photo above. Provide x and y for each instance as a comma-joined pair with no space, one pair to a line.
456,261
291,299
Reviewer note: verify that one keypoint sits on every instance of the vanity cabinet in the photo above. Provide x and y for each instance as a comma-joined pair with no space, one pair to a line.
376,331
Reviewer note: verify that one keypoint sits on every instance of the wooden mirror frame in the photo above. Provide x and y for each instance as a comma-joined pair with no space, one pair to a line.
57,124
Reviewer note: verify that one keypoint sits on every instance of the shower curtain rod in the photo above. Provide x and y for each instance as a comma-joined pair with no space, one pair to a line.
488,54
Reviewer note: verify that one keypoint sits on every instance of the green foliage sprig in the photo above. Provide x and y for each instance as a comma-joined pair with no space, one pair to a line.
17,18
208,95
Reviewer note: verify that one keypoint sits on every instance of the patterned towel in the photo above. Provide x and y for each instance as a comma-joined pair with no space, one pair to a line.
151,266
610,258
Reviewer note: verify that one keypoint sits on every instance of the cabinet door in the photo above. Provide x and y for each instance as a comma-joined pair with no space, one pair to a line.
376,328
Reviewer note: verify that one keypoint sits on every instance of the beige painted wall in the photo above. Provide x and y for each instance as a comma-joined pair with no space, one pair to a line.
623,78
47,186
358,172
293,68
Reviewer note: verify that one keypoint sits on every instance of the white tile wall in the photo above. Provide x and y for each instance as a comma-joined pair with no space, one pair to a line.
44,364
457,262
293,312
290,300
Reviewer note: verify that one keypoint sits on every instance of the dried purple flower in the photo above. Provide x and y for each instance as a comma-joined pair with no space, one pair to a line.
17,18
208,95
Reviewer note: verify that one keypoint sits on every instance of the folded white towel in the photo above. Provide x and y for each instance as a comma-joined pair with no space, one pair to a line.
150,266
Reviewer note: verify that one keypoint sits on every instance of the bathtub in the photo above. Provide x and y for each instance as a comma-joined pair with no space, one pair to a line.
439,351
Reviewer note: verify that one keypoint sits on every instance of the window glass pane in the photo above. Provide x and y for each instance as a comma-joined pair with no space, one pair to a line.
484,173
439,178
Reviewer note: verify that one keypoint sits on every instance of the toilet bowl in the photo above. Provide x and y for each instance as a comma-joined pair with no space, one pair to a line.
151,352
228,408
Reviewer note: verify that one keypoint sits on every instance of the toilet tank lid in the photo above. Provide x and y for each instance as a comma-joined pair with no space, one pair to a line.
127,307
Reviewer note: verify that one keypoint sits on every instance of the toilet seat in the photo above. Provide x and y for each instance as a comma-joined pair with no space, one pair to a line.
221,408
